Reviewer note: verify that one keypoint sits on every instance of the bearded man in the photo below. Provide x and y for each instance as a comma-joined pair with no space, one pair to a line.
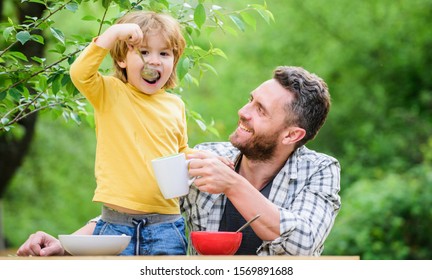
294,190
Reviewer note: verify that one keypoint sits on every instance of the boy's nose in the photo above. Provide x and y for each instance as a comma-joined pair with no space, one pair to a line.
153,59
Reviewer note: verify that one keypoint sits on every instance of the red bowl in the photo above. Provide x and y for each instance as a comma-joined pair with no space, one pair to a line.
216,242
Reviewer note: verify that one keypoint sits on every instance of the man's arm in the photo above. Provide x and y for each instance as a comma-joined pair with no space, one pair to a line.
214,176
297,228
43,244
306,222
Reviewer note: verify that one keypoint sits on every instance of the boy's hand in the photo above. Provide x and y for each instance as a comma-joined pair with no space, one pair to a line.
131,33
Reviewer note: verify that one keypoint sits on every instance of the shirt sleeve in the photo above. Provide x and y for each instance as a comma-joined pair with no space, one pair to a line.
183,143
85,76
307,222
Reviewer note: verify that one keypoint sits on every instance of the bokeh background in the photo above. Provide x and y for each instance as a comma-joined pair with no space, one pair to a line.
376,57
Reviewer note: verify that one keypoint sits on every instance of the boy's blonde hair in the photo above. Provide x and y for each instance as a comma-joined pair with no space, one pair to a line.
150,22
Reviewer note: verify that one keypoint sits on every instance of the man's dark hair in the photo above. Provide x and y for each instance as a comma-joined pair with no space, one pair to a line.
311,102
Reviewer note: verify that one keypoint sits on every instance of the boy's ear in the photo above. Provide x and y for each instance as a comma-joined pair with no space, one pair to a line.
293,135
122,64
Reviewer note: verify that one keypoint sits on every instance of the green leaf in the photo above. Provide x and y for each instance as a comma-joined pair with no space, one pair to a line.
56,83
199,15
238,22
219,52
125,4
15,94
197,51
183,67
190,79
89,18
39,39
165,3
249,19
72,6
55,113
4,121
3,95
37,1
106,3
75,117
189,30
38,59
43,85
18,55
65,80
24,91
265,14
230,30
201,124
58,34
7,33
60,48
23,37
209,67
157,6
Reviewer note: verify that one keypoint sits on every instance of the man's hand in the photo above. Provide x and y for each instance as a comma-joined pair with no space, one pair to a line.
214,174
41,244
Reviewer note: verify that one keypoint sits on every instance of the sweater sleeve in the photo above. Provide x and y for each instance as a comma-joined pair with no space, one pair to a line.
85,76
183,143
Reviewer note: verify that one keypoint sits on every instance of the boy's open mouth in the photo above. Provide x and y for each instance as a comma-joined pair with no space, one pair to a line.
151,76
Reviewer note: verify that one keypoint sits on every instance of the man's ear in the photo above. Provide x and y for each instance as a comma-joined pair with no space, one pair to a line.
293,135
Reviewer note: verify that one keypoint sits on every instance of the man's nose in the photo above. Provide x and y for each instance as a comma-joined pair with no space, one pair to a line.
244,112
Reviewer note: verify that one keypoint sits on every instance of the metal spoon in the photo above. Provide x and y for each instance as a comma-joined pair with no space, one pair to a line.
248,223
147,73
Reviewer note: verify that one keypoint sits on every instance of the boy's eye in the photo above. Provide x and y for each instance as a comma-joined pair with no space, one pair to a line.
144,52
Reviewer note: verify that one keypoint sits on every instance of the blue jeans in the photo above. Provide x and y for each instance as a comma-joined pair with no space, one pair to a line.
159,238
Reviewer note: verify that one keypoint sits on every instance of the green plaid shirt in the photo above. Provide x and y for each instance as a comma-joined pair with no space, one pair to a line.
305,190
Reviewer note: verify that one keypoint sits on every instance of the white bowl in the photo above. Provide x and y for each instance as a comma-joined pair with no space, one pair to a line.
94,245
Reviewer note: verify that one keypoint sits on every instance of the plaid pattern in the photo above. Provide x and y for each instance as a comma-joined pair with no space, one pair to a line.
305,190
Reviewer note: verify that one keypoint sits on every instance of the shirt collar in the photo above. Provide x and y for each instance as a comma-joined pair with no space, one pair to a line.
290,167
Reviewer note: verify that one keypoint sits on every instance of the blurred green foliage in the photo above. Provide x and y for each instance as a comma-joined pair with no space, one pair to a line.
375,57
386,218
53,189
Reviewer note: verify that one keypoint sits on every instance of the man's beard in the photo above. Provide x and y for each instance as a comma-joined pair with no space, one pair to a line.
259,148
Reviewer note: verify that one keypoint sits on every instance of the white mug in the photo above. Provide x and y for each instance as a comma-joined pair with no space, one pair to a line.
172,175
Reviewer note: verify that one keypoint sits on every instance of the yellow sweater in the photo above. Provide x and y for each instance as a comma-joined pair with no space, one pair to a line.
132,128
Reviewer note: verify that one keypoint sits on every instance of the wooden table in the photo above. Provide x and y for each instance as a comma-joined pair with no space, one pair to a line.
10,254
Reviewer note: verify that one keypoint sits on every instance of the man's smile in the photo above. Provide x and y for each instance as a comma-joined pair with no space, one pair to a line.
244,128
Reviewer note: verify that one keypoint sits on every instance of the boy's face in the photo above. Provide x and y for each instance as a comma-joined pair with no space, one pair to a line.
157,55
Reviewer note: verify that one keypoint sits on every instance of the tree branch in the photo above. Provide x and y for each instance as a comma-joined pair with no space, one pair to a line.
37,25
